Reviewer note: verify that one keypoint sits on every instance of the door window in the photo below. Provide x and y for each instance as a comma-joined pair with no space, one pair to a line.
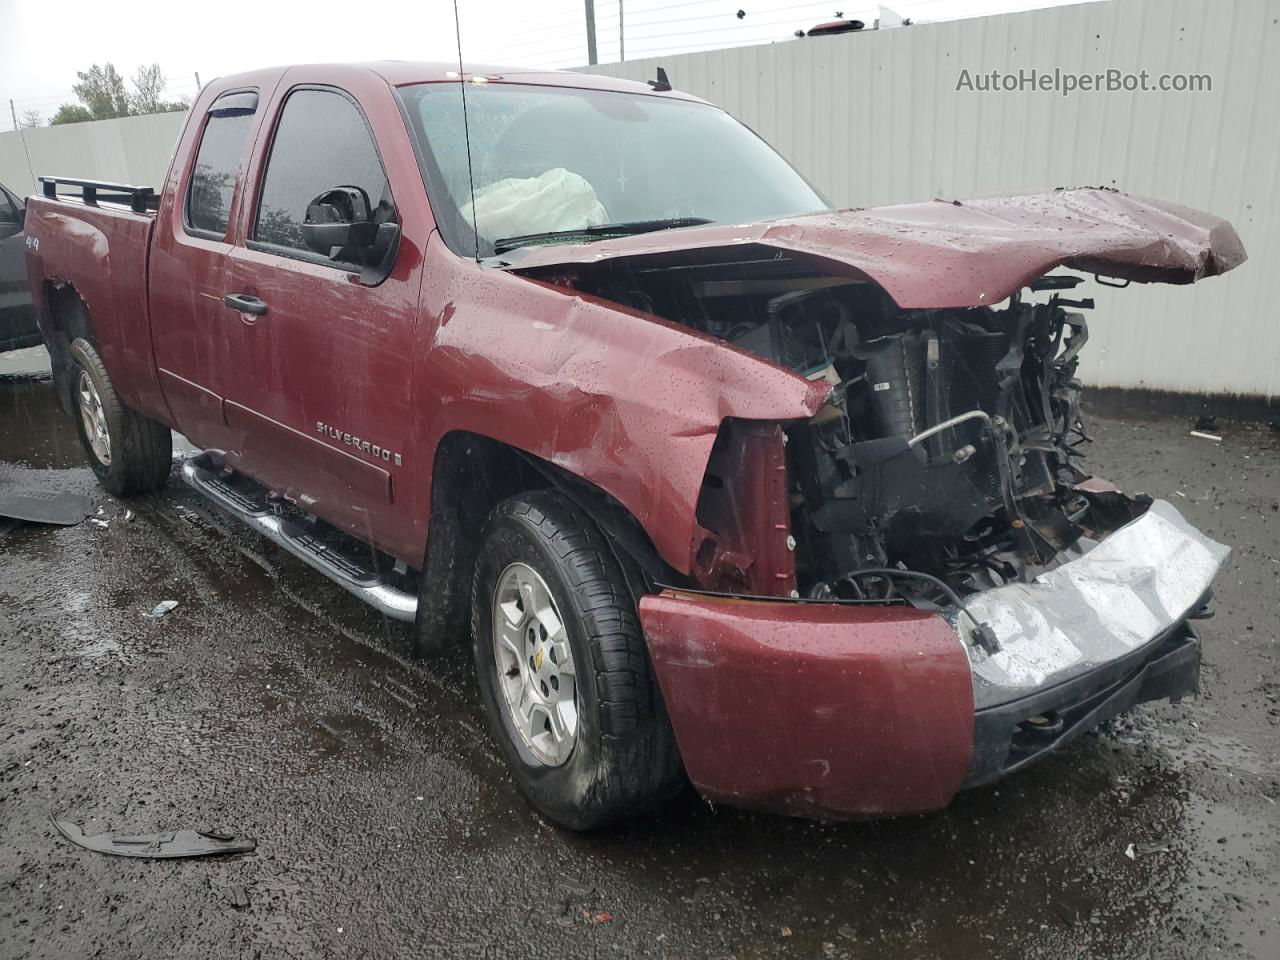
322,142
213,180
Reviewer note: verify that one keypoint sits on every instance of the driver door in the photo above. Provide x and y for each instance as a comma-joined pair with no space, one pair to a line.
319,386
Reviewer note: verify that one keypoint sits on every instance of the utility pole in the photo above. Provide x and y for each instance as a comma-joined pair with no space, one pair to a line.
14,113
591,31
622,46
197,80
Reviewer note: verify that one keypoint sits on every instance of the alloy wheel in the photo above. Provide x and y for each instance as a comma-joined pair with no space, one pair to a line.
94,419
536,672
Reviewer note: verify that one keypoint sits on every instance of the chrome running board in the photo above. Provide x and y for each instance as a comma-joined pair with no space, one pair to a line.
248,503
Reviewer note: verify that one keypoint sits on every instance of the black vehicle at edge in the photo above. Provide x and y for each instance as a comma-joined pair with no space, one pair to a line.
18,325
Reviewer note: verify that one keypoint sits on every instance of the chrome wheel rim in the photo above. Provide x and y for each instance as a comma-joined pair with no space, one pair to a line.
94,420
535,665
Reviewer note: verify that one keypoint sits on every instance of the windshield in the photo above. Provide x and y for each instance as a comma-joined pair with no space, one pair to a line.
557,160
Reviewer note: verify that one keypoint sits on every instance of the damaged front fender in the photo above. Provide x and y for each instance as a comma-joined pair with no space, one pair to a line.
626,401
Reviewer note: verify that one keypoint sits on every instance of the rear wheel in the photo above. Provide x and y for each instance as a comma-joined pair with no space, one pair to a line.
563,668
128,452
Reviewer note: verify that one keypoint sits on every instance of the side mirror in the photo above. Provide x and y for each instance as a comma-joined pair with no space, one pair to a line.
340,226
338,219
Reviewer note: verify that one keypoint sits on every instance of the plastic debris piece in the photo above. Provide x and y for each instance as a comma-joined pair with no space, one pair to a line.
1130,853
1206,436
99,522
161,608
44,506
165,845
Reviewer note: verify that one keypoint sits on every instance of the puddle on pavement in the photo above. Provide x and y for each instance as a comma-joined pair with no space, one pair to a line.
99,647
37,433
1048,844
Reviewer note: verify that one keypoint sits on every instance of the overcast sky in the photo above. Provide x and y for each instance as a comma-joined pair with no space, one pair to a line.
43,43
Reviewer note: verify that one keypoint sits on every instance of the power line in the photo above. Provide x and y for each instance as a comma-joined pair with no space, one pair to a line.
727,15
790,21
674,6
537,56
44,102
676,49
730,29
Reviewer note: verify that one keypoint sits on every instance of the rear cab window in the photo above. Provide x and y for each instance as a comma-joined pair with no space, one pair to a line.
322,141
207,209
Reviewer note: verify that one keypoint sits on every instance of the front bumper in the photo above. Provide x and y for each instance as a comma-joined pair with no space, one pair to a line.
851,710
814,709
1010,736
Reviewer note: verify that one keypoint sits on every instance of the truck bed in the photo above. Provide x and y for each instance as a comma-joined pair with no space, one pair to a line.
97,242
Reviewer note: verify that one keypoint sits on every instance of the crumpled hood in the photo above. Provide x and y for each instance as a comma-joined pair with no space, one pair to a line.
957,253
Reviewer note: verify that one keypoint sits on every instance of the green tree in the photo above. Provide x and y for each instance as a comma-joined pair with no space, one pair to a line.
102,95
148,92
101,90
70,113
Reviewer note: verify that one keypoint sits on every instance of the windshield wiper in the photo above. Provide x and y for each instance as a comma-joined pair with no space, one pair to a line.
627,229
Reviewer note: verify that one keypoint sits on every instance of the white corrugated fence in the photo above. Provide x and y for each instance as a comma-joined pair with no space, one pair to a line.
875,118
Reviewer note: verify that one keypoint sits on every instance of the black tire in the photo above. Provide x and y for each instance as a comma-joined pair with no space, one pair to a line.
141,452
624,759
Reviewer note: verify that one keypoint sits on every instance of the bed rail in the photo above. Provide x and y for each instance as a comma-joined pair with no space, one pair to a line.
93,192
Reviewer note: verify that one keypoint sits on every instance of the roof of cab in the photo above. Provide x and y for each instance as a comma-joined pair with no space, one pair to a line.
401,73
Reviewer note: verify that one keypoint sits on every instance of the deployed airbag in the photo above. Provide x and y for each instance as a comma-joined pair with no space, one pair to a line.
556,200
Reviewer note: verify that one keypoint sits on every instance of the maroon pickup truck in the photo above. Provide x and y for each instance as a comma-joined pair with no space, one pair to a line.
723,484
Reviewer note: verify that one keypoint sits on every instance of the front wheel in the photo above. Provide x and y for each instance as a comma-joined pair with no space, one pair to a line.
127,452
563,668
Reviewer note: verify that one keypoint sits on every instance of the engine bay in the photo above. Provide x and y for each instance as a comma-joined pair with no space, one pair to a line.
948,457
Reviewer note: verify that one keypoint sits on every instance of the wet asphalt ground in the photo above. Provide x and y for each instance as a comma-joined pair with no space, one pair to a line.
270,702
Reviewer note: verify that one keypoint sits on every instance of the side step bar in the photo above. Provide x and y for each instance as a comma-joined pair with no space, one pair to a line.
249,504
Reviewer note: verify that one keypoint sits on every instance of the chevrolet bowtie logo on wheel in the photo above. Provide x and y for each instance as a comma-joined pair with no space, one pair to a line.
379,453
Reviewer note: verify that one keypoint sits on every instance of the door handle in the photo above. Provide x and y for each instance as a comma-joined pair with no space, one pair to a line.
244,303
